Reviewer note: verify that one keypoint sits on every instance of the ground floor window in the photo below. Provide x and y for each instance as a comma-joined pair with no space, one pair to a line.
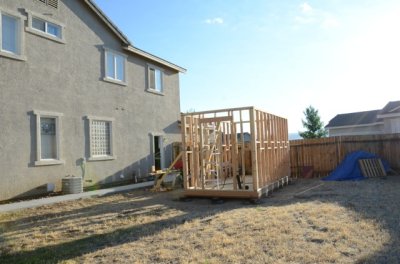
101,138
48,138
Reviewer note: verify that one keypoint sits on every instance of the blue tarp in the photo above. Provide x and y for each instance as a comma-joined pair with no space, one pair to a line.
349,168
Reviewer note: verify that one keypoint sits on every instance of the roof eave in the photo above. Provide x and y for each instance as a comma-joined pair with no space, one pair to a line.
154,58
108,22
127,44
394,109
350,126
389,115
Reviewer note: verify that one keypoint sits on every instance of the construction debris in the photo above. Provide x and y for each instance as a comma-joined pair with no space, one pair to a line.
372,167
161,175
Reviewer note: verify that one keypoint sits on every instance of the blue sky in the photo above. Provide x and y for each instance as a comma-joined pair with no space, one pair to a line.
280,56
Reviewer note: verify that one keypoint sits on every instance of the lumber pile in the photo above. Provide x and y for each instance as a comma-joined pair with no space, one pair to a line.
372,168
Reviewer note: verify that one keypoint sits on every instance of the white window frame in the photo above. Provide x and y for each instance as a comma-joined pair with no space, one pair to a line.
105,157
113,79
154,89
57,116
21,39
44,34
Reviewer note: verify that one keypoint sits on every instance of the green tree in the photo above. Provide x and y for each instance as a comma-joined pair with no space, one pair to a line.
313,124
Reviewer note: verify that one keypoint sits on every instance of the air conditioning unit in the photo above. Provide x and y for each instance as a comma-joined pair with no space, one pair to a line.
71,185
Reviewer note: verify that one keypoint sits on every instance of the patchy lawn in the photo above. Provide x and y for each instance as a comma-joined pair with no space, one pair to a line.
307,222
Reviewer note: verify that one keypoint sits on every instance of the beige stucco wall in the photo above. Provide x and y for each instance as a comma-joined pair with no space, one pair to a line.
68,79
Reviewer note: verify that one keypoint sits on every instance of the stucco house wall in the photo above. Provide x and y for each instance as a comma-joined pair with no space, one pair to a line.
67,78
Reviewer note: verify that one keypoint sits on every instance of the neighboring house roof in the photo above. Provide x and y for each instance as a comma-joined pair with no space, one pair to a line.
246,137
354,119
365,118
127,44
391,108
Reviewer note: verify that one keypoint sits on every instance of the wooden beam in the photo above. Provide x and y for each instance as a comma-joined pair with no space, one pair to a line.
185,159
222,194
216,119
267,154
253,146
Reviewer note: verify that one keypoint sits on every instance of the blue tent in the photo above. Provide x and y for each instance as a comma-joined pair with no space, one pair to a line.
349,168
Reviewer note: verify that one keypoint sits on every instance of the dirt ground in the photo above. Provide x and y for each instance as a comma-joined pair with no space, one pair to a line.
309,221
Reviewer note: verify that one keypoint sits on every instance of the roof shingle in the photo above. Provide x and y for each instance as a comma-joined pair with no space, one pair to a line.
391,108
354,119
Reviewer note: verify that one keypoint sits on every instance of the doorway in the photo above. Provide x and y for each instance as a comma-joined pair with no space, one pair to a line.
158,152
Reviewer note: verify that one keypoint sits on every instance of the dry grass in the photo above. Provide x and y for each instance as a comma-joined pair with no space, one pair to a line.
335,222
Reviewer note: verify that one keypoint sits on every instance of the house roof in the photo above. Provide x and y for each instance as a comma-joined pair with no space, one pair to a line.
108,22
354,119
246,137
391,108
152,57
127,44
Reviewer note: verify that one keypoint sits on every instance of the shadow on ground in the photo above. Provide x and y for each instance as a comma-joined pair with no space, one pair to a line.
377,199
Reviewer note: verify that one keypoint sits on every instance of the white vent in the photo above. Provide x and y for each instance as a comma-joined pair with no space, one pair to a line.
52,3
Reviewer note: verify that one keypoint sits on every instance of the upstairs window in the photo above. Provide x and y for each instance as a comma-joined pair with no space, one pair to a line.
10,35
114,66
46,27
155,79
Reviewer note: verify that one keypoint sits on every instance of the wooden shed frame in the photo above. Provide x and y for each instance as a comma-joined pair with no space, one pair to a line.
214,147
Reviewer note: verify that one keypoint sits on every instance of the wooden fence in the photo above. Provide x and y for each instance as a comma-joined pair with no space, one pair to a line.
319,157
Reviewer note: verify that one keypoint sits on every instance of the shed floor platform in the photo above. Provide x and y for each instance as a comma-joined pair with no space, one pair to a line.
225,188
